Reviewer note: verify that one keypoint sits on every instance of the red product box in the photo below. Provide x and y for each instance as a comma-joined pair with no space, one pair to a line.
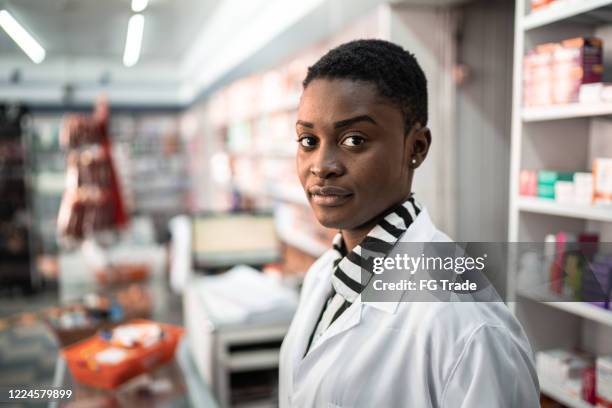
528,183
87,368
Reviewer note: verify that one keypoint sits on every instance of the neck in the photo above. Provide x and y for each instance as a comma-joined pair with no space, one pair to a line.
352,237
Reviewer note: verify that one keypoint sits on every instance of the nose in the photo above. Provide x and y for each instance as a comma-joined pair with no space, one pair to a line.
326,163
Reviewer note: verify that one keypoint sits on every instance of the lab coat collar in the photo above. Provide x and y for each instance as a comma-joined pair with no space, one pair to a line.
421,230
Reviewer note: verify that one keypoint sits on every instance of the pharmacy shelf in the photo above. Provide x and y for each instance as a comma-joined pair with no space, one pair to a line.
550,207
569,111
581,309
559,394
562,10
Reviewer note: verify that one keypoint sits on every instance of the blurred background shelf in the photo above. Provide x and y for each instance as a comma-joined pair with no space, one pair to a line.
569,9
556,392
582,309
559,112
550,207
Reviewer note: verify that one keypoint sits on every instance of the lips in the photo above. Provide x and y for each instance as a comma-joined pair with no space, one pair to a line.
329,196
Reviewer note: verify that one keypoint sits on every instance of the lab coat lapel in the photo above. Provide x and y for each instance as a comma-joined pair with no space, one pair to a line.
310,313
347,320
350,318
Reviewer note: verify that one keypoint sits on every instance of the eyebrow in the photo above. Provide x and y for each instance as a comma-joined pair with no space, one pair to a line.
342,123
347,122
304,124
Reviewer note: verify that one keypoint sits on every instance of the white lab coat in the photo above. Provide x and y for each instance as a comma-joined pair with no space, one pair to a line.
402,354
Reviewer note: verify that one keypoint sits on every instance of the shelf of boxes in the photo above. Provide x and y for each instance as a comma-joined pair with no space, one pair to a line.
550,207
554,391
256,124
560,11
585,310
151,162
569,111
559,125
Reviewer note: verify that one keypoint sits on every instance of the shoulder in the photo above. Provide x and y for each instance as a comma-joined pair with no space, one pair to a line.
449,329
455,322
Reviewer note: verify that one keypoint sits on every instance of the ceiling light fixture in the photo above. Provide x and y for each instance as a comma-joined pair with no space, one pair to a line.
22,38
139,5
133,40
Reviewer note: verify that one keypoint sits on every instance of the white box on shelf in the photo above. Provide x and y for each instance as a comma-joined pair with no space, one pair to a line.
564,192
604,378
583,188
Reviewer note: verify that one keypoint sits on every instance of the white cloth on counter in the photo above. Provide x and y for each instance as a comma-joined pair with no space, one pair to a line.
243,294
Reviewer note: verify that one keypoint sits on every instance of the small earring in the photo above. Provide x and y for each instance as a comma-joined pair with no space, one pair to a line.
414,161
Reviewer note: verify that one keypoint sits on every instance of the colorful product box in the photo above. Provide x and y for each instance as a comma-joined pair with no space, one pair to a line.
603,366
602,181
597,284
539,4
560,366
554,73
528,183
576,61
537,70
564,243
547,180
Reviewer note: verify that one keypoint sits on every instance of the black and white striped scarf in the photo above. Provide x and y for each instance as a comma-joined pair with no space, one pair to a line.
347,282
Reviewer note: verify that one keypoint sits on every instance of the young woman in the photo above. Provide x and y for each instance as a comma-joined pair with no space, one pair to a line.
361,133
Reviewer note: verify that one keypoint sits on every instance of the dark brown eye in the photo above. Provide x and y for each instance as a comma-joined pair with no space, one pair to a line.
307,141
354,140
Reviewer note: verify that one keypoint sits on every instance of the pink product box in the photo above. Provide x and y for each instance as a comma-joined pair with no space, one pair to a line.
528,181
576,62
555,72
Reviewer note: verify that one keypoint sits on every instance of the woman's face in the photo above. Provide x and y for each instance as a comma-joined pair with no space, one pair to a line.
354,158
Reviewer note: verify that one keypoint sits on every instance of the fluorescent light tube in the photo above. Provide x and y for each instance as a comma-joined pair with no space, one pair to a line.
133,41
139,5
21,37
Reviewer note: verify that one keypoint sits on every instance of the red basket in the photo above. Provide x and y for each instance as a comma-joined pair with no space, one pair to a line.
86,370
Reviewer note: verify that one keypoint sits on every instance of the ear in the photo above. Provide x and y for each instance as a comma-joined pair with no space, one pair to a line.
419,141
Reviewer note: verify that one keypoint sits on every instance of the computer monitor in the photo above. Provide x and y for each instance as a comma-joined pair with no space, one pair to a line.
228,239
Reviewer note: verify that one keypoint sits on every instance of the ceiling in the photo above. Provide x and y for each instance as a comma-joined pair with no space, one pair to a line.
97,28
189,47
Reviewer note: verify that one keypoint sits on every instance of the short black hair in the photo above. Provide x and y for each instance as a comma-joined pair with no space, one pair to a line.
395,72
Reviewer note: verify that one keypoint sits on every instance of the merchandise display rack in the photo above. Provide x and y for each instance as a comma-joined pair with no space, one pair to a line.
251,126
563,137
543,206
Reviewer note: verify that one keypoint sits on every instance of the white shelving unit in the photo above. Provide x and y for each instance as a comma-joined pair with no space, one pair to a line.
575,110
566,138
559,12
584,310
554,391
544,206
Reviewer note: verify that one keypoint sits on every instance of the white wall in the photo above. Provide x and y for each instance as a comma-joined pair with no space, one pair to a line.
428,33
